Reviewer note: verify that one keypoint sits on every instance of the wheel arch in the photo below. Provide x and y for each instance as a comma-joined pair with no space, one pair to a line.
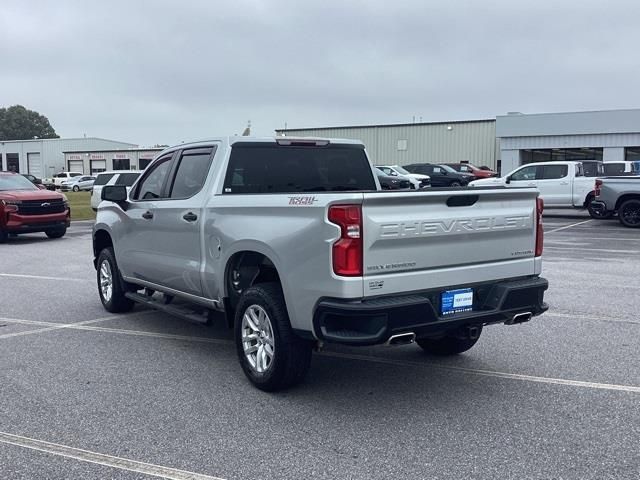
627,196
101,240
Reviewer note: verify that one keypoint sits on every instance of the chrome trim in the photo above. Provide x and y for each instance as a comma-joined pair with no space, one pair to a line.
401,339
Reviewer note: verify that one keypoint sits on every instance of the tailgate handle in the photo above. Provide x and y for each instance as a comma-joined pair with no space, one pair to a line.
462,200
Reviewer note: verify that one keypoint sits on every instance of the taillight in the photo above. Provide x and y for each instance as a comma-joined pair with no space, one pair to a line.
347,250
598,188
539,228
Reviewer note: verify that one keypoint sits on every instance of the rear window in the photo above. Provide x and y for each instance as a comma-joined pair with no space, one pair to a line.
272,168
103,179
614,168
127,179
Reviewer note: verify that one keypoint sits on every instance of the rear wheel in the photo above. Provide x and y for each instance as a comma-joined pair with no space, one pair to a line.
56,233
629,213
455,184
76,188
450,344
271,355
111,287
598,214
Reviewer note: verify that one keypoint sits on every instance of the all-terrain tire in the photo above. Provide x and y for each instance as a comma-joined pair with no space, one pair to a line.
290,355
113,299
629,213
56,233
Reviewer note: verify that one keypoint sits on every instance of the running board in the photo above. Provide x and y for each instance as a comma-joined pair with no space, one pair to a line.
176,310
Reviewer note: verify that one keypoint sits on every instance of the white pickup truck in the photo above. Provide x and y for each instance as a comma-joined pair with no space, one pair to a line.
296,243
56,181
561,184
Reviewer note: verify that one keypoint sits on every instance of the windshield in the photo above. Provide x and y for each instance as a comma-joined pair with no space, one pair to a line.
15,182
401,170
448,168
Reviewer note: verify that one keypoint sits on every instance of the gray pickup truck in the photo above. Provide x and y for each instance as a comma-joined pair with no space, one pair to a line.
619,195
295,242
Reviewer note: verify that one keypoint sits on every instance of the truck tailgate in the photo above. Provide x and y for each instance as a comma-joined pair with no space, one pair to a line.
424,240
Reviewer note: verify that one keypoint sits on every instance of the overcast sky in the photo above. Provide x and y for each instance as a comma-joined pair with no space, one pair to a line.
164,72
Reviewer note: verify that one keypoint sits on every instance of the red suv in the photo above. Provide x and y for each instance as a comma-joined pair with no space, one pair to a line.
478,172
24,208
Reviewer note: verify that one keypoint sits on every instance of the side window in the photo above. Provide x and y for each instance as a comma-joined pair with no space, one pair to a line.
613,168
103,179
192,172
153,182
75,174
554,172
437,170
386,170
526,173
464,168
127,179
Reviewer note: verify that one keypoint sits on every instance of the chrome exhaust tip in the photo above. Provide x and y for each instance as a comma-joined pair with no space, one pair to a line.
401,339
519,318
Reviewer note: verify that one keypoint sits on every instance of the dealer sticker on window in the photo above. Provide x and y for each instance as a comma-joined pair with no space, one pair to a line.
456,301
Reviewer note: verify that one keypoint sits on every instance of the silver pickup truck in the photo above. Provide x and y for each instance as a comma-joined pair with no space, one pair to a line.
619,195
295,242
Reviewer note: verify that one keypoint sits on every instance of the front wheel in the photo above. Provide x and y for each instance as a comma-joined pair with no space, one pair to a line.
450,344
629,213
271,355
56,233
111,287
76,188
455,184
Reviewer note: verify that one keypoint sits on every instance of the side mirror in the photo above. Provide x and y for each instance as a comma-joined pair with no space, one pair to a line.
114,193
507,180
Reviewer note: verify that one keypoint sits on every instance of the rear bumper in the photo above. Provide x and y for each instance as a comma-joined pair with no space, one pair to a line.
374,321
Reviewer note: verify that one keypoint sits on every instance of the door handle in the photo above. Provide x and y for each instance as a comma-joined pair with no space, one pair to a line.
148,215
190,217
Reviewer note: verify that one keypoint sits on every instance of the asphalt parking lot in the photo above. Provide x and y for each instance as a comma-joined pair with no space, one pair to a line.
86,394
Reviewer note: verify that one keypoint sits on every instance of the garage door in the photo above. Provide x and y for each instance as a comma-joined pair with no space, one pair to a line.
34,167
98,166
76,166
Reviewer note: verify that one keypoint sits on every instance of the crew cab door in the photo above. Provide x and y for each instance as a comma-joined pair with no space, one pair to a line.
164,246
554,183
524,177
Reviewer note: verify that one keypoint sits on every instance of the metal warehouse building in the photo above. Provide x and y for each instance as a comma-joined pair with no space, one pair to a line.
95,161
473,141
44,157
608,135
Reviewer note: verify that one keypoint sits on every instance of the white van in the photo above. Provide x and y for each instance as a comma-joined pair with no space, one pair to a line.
115,177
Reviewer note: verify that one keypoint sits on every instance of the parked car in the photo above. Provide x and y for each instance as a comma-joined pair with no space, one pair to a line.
441,175
115,177
322,258
561,184
32,178
619,195
477,172
76,184
25,208
54,182
393,182
417,180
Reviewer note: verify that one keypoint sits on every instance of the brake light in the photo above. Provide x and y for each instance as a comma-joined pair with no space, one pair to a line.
347,250
598,188
539,227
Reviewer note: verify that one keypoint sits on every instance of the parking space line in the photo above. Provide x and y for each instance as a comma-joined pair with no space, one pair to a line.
42,277
487,373
569,226
102,459
50,326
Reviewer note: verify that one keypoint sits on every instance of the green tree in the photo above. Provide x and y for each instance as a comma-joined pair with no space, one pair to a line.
19,123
